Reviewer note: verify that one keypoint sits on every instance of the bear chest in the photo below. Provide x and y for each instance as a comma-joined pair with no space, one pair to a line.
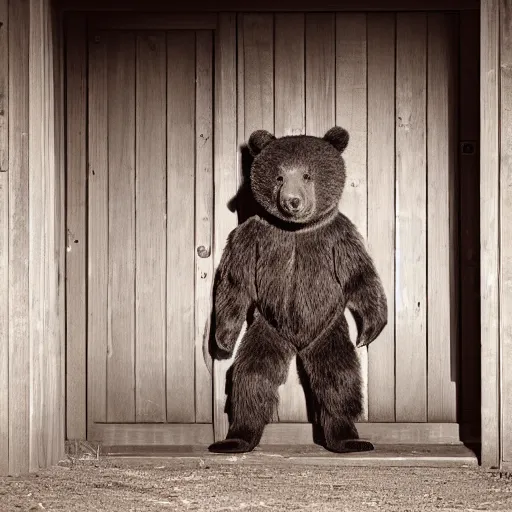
296,284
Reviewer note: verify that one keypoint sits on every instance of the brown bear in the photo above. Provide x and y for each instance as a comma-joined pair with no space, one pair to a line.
290,271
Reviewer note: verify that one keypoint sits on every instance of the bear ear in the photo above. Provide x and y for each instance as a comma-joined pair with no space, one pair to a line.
338,137
258,140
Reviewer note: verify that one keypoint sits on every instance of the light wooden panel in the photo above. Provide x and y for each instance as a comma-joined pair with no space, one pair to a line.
381,197
225,162
320,73
489,224
351,114
98,231
469,130
19,338
290,120
289,80
37,227
60,227
441,237
153,435
4,242
4,85
258,72
121,227
54,412
204,218
4,323
76,326
506,229
181,77
151,227
411,299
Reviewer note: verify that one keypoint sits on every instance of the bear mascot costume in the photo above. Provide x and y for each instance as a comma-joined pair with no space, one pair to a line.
290,271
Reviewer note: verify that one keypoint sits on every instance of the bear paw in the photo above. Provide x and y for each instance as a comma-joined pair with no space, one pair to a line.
353,445
230,446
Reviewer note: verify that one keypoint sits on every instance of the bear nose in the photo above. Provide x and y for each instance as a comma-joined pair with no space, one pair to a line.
294,202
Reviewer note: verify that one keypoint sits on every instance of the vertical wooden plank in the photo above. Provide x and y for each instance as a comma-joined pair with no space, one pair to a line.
121,228
54,443
258,72
75,228
381,205
98,228
225,177
151,227
441,239
289,74
4,240
489,225
37,219
290,120
4,323
4,85
204,217
469,175
351,114
181,77
19,337
320,73
506,229
60,228
411,364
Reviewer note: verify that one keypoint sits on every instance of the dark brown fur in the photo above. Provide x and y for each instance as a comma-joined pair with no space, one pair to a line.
292,275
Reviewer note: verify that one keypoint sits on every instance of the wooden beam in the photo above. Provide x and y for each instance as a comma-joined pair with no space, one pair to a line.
268,5
76,270
506,226
4,85
122,434
19,337
148,21
386,433
489,238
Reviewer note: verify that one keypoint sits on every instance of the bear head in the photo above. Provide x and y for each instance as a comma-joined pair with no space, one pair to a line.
300,178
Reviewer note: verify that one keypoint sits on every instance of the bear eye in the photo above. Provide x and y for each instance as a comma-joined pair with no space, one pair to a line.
307,177
280,179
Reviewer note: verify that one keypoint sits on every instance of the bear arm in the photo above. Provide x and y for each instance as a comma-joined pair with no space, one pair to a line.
233,296
363,290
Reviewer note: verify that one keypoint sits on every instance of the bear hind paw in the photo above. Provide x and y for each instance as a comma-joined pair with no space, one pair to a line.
230,446
350,446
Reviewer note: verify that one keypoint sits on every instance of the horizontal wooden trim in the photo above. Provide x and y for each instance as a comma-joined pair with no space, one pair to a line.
120,434
384,433
268,5
383,456
152,21
144,434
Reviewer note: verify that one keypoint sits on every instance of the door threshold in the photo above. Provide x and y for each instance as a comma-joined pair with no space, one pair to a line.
383,455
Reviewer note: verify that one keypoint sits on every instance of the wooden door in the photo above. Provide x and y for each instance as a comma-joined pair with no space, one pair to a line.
391,79
149,204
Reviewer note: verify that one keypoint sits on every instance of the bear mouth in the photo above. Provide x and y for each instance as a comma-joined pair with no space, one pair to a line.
295,215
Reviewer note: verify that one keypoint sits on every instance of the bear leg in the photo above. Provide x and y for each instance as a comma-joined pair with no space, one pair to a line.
260,367
333,371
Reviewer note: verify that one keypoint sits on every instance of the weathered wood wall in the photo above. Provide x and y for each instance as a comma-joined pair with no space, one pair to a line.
31,239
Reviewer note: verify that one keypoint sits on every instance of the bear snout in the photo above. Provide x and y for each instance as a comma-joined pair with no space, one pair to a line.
292,204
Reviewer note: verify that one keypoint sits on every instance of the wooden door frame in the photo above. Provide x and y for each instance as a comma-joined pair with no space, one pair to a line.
225,152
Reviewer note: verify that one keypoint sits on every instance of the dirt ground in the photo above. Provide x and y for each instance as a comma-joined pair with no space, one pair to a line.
193,484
